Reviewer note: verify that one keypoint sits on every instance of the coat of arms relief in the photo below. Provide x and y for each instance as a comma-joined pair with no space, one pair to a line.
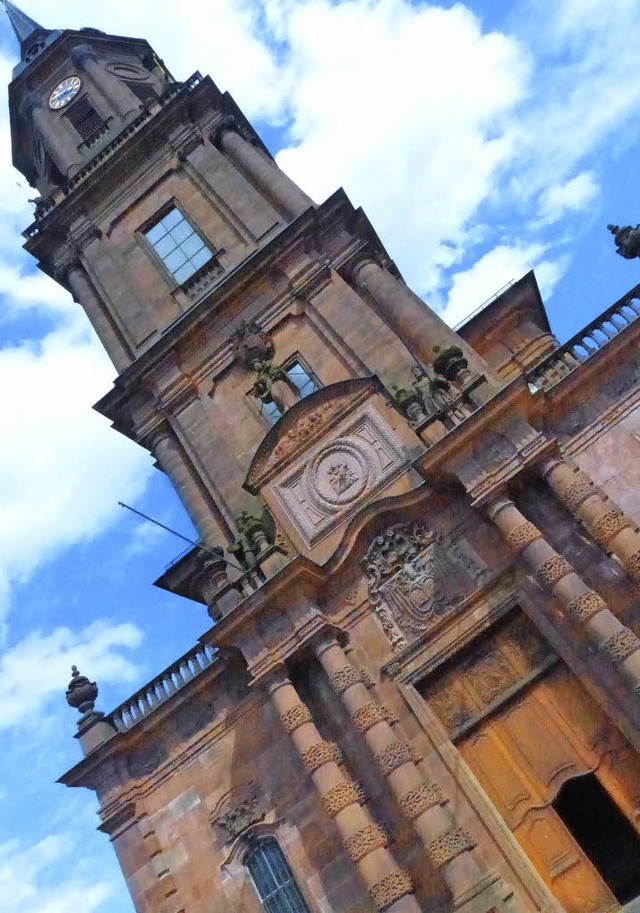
416,577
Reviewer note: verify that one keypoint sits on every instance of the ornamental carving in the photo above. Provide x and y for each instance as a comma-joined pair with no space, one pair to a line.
608,526
394,756
577,492
632,567
411,581
250,343
449,846
391,888
365,718
553,570
238,810
420,799
318,755
489,674
365,841
389,715
295,717
585,606
451,706
345,678
339,797
367,680
620,646
522,535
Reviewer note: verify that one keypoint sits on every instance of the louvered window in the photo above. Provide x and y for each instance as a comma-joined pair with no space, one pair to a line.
274,880
84,118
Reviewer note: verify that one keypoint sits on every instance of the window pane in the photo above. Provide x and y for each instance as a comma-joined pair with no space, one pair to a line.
192,244
184,272
203,256
181,231
175,259
274,880
164,246
154,234
172,218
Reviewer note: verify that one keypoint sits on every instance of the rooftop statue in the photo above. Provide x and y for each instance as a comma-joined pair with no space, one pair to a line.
627,240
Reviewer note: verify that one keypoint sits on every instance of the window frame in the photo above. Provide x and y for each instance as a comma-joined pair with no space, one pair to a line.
256,404
155,219
253,843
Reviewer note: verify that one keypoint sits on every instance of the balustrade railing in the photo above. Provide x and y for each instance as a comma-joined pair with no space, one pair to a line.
161,688
562,361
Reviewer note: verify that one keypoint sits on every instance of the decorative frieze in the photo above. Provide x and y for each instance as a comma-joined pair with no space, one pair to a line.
345,678
340,797
295,717
553,570
522,535
367,716
319,755
394,756
365,841
577,492
585,606
449,846
620,646
608,526
420,799
392,887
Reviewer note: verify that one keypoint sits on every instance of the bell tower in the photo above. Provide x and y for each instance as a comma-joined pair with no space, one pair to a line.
346,459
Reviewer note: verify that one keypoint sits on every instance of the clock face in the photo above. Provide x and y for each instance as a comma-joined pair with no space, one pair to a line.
65,92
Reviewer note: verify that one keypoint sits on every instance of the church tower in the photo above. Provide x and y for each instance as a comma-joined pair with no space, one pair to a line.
420,664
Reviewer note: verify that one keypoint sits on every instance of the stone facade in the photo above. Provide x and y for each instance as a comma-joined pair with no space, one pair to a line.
427,630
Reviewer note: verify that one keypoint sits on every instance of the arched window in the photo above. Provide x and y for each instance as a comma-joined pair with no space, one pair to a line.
274,880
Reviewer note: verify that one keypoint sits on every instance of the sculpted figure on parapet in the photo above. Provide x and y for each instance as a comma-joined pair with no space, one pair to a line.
627,240
273,386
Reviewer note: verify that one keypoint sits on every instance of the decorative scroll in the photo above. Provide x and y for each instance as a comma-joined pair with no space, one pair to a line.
420,799
365,841
553,570
391,888
449,846
295,717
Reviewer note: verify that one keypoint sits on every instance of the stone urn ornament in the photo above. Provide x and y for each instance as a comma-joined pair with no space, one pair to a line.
81,694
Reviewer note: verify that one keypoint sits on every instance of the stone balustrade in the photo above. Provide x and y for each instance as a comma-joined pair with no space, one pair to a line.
562,361
161,688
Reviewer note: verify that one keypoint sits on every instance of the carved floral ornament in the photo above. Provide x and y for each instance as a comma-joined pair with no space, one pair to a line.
394,549
238,810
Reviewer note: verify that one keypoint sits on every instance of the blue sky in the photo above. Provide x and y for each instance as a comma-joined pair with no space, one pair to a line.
482,138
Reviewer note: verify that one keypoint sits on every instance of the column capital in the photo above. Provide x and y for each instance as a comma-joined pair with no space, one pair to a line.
277,677
496,505
227,124
81,54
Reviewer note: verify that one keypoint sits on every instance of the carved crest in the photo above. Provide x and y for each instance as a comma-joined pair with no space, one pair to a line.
238,810
391,551
249,343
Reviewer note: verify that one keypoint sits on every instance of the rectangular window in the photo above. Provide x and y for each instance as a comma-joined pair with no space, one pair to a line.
302,378
178,245
84,119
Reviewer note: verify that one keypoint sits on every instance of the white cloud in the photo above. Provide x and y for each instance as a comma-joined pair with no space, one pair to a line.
38,667
24,873
574,195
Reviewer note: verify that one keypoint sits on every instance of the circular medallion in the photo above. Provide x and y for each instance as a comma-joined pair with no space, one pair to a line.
340,474
65,92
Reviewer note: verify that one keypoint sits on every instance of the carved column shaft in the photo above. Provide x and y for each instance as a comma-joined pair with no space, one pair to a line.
112,88
57,140
364,841
609,526
424,804
410,317
171,458
584,607
264,174
85,295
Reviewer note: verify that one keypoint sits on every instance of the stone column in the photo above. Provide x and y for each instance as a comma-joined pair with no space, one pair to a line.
609,526
114,90
364,841
279,189
58,141
410,317
84,294
171,458
448,846
586,610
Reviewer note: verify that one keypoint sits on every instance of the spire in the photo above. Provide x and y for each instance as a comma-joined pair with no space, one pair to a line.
31,36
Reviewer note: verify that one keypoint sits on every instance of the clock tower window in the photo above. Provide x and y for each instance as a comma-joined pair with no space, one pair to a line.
178,245
85,120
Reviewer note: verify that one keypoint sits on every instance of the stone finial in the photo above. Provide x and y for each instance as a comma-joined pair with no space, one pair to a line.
627,240
81,693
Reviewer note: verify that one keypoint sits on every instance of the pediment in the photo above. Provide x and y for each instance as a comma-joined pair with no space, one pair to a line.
304,424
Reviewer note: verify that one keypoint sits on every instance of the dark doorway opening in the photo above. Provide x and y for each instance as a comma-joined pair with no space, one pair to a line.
604,834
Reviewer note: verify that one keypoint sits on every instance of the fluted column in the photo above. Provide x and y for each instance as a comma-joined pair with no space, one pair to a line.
364,841
84,294
587,611
609,526
261,171
448,846
123,100
410,317
171,458
58,141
